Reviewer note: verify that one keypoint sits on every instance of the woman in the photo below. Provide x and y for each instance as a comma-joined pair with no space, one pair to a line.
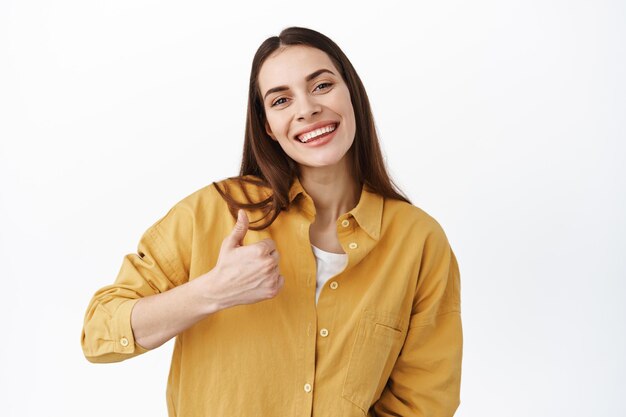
305,286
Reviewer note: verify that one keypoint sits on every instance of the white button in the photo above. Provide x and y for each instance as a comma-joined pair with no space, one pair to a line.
324,332
124,341
333,285
307,387
345,223
353,245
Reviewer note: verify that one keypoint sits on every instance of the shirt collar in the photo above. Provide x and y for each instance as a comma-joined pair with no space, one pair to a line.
296,188
368,212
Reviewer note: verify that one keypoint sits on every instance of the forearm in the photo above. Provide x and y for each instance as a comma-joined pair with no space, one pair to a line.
158,318
143,313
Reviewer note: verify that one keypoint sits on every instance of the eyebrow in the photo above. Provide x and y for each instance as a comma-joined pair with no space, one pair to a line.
307,78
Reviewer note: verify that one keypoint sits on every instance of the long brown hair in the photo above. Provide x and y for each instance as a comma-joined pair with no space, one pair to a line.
265,159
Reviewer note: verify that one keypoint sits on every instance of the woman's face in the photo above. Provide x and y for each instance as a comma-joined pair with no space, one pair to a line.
307,105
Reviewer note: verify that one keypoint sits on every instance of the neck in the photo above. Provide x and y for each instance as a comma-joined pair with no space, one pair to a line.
333,189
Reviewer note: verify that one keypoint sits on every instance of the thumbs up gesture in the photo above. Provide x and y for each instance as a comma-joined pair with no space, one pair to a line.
245,274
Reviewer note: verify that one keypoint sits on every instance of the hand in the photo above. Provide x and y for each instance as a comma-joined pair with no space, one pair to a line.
245,274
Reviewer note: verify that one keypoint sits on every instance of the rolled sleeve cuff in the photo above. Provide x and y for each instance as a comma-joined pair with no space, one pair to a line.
123,338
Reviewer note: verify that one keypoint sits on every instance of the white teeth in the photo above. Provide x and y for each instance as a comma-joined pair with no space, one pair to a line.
314,133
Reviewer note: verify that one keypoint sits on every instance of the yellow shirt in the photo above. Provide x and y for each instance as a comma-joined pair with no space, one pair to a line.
384,339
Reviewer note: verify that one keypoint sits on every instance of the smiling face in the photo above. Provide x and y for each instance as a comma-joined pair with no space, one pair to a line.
307,106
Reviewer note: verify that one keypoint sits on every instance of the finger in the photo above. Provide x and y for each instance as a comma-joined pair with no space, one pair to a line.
239,230
268,246
281,281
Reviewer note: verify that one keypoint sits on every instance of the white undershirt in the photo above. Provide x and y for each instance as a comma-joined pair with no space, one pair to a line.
328,265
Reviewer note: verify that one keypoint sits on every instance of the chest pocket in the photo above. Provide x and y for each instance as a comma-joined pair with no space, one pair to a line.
378,342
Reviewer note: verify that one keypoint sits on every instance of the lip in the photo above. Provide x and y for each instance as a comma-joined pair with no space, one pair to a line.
316,143
315,126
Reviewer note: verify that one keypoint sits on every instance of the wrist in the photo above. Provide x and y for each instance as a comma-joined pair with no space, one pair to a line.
209,297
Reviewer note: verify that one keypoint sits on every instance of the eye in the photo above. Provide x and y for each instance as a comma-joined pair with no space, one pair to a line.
278,101
324,86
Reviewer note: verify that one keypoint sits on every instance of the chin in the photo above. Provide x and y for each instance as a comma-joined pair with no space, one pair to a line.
322,163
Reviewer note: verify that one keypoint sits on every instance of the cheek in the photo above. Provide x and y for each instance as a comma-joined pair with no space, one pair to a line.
277,126
347,109
349,112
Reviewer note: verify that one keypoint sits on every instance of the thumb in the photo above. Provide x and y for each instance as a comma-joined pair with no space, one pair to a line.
240,229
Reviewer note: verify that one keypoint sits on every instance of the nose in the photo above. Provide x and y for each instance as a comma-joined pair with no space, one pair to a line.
307,107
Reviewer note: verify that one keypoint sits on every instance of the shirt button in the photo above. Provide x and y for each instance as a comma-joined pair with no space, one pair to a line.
124,341
333,285
353,245
345,223
307,388
324,332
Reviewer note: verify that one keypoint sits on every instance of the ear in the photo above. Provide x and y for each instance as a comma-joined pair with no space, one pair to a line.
269,131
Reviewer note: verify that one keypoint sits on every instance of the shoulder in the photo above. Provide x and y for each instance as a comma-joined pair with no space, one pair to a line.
246,188
209,205
202,210
240,188
415,221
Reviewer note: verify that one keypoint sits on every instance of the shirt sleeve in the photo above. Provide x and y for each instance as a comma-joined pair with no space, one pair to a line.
426,378
160,264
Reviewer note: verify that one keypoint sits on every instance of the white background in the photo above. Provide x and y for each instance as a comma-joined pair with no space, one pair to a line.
505,120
